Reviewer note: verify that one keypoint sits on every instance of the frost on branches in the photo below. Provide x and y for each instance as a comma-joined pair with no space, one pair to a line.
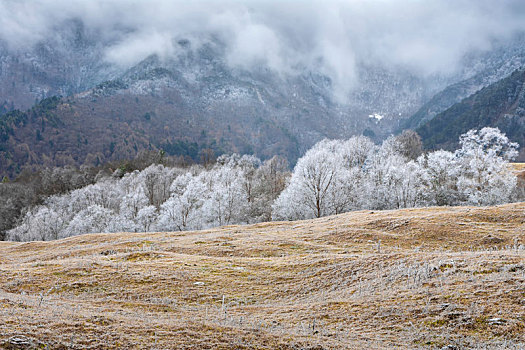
328,179
333,177
235,190
484,177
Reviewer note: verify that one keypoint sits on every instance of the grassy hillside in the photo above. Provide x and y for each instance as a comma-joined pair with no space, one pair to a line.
413,278
518,167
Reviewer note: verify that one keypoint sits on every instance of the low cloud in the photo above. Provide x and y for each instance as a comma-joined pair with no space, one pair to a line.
332,37
135,47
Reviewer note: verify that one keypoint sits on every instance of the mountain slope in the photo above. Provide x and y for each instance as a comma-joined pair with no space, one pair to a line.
68,62
501,105
152,107
195,99
497,64
90,130
182,106
428,278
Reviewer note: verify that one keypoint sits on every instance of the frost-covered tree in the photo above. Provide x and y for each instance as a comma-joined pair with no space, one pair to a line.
490,142
132,203
325,180
227,193
93,219
42,224
391,182
146,217
440,173
106,193
484,176
344,193
226,202
410,189
313,178
356,150
156,181
179,212
333,177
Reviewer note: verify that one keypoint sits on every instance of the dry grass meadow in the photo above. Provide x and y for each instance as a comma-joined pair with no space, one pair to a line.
438,278
518,167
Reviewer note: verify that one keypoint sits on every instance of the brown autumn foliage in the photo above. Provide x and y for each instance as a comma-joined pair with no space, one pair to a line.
89,130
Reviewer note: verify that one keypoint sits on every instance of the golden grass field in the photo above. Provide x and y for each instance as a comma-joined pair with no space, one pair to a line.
412,278
518,167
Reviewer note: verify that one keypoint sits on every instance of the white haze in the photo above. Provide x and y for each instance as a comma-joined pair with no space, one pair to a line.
332,37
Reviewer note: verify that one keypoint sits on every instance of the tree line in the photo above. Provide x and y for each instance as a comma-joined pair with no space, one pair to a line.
333,177
32,187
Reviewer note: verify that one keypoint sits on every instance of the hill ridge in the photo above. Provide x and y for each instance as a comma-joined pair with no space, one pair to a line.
427,277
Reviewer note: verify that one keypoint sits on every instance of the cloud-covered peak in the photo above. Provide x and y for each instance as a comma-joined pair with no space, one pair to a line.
331,37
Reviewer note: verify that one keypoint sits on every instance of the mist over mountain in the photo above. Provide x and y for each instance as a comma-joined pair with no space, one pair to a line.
335,39
498,64
501,104
252,77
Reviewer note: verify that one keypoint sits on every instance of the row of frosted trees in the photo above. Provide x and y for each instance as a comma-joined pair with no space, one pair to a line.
333,177
235,190
338,176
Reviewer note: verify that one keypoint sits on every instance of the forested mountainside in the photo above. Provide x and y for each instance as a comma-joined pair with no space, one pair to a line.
500,105
195,99
498,64
155,108
198,95
196,103
68,62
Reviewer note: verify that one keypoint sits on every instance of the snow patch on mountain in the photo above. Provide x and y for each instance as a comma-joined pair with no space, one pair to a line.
376,116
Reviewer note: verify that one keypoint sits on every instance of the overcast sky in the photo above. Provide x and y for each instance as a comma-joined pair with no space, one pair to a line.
426,37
